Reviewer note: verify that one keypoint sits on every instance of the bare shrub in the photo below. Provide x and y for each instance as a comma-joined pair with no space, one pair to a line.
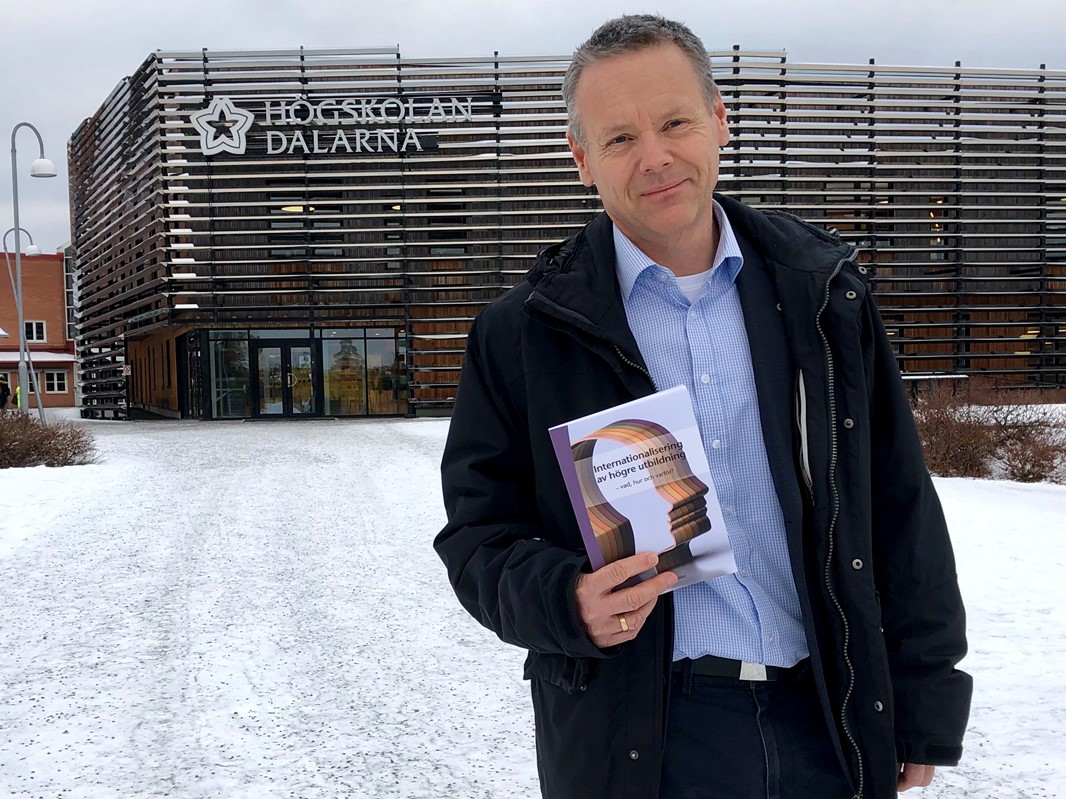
955,437
25,441
1035,453
966,429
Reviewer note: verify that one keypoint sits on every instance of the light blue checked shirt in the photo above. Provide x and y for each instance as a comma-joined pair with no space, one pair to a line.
753,615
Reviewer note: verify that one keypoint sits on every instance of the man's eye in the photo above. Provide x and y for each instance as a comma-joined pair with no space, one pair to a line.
675,123
619,139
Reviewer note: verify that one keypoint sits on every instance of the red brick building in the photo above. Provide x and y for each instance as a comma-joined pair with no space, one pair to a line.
44,297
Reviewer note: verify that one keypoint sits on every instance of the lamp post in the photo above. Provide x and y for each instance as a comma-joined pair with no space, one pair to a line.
24,347
40,168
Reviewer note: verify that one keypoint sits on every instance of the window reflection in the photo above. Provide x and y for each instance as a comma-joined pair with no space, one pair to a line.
365,376
386,377
271,400
344,377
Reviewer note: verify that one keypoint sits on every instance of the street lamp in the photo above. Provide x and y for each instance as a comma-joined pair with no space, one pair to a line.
40,168
31,249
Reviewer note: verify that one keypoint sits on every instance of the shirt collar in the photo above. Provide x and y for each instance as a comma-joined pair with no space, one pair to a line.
630,262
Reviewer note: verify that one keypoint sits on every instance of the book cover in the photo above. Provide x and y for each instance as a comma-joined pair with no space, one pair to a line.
638,481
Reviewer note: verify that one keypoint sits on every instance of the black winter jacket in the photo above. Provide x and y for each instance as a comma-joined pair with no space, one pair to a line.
868,544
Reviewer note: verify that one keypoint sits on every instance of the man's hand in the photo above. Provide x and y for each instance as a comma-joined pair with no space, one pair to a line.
914,775
611,617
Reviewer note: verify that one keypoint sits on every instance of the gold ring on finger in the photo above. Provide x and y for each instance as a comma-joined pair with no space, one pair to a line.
623,623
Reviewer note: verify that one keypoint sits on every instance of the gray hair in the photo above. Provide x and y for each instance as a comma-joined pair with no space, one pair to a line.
630,34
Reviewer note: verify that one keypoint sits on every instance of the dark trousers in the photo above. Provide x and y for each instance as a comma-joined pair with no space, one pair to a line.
734,739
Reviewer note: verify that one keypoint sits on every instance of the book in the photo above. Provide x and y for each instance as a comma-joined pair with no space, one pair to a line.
638,480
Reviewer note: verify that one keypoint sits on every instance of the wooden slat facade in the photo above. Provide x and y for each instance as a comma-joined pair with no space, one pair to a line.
951,180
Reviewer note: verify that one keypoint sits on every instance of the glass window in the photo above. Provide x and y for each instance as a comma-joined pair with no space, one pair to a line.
193,367
297,333
229,379
35,331
364,371
386,374
344,376
55,382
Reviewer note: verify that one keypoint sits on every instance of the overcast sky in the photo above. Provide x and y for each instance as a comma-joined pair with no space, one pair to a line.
59,59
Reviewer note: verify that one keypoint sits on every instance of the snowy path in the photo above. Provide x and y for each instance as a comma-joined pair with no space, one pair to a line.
249,615
254,610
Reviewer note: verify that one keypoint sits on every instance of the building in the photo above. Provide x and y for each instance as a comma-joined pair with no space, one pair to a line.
304,232
48,332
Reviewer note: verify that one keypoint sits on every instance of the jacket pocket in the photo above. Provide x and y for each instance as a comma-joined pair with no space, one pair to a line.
562,671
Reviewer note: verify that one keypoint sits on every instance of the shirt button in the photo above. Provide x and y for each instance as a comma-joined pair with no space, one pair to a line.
856,564
705,378
849,423
634,754
851,295
716,444
878,707
663,278
769,639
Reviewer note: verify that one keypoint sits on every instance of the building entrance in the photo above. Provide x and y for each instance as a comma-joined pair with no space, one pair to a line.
282,378
281,373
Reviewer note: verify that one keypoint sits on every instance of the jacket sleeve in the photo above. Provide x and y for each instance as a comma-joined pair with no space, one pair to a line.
503,570
923,619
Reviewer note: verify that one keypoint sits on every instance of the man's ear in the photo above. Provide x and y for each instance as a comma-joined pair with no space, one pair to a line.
581,159
721,121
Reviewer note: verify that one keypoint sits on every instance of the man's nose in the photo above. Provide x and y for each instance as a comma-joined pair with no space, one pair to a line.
654,154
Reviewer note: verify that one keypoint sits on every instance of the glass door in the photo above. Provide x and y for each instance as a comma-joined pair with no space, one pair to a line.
271,383
284,373
300,380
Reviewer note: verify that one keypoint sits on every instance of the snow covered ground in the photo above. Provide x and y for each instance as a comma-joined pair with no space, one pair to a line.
254,610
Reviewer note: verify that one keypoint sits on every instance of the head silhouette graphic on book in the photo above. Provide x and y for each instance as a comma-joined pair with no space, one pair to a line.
655,455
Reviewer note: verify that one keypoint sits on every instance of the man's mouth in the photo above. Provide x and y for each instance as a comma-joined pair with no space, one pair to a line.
663,188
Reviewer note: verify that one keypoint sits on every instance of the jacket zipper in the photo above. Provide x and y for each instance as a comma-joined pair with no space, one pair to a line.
835,512
629,362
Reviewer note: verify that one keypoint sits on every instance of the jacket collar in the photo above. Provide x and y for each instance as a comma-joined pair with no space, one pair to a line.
587,260
576,280
785,240
579,273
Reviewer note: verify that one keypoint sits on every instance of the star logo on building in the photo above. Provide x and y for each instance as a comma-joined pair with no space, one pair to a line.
222,127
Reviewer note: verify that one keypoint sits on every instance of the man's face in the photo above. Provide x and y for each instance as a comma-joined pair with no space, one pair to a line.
651,145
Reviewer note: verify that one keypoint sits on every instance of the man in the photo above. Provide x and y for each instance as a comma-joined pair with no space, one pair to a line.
5,393
778,681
